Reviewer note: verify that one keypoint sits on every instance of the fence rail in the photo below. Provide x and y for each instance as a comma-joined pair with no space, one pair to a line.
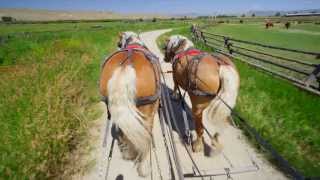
278,61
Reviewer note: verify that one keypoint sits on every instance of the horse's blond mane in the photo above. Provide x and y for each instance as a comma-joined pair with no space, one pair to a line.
134,38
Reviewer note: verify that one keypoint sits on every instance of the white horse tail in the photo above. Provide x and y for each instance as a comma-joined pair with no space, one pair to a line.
217,112
122,107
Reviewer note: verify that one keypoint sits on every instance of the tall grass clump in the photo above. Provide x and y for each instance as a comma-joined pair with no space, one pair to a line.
43,110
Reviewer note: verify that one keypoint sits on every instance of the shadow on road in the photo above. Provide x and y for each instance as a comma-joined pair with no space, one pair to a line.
178,113
179,126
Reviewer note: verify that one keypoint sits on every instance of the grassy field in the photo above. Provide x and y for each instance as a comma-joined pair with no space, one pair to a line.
299,36
283,114
48,91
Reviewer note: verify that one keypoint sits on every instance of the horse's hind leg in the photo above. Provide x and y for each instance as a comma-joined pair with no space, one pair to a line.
197,145
198,105
149,111
127,149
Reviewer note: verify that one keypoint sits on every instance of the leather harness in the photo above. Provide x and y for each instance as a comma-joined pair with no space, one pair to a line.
192,69
155,64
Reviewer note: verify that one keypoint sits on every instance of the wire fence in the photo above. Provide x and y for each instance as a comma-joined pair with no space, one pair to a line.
302,68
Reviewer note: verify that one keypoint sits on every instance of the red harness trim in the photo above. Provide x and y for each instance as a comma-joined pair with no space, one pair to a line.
134,46
191,52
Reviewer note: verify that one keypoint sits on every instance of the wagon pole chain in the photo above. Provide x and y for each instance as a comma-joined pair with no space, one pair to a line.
282,162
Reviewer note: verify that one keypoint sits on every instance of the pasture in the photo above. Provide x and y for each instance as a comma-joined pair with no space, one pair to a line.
298,36
48,80
283,114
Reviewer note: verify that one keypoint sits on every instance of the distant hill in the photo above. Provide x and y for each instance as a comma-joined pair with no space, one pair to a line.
50,15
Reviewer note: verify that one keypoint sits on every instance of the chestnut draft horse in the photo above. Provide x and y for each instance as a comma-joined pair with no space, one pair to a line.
204,77
130,84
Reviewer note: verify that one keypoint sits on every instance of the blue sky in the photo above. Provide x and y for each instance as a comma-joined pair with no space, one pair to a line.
164,6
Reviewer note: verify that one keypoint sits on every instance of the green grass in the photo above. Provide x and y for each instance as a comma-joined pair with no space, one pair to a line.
283,114
48,89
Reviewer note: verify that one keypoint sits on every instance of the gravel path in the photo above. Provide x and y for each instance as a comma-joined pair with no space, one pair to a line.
237,154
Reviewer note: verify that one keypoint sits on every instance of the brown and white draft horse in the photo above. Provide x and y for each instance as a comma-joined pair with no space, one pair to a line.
204,77
130,84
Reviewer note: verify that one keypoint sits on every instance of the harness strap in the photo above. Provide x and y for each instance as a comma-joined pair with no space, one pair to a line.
192,70
135,46
188,52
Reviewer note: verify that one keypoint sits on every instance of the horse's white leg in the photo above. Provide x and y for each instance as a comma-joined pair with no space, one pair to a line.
143,166
143,161
217,112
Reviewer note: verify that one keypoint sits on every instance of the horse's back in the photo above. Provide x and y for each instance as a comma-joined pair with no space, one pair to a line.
145,73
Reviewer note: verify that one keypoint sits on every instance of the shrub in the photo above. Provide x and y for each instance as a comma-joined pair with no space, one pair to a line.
154,20
7,19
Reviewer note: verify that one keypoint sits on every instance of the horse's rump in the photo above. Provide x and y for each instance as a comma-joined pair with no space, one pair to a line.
147,75
202,72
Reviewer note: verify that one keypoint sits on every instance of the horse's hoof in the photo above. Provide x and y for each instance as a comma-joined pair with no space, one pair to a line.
127,152
129,155
143,168
197,145
216,144
218,147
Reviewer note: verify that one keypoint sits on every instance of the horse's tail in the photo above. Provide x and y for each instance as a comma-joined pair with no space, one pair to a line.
217,112
122,94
